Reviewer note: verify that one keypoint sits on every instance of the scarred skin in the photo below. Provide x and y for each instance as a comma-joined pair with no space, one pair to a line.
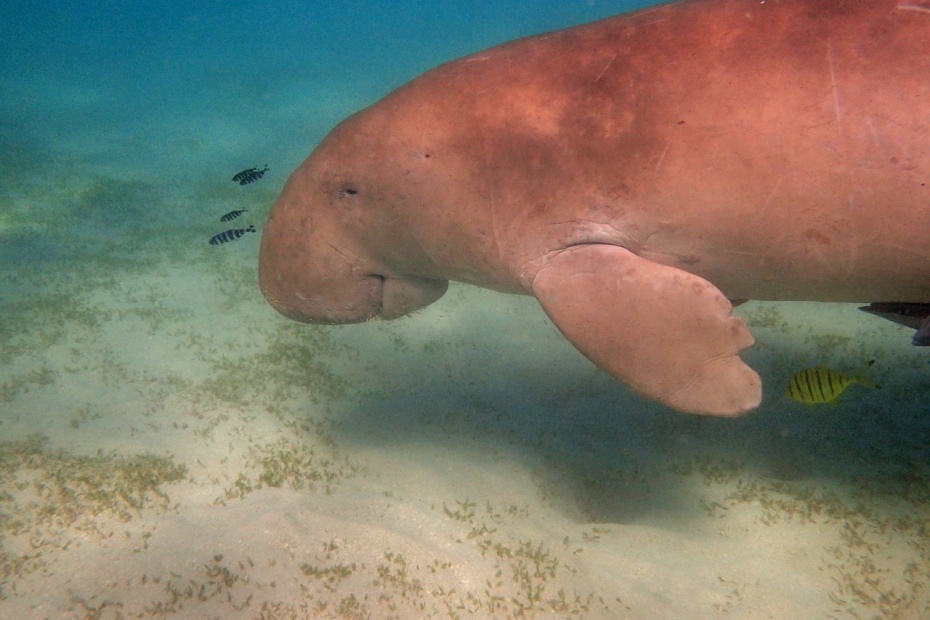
776,150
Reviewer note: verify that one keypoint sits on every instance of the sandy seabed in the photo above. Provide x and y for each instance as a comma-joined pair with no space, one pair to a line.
173,448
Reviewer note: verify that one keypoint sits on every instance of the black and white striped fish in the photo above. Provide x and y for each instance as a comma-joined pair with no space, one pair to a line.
230,235
250,175
232,215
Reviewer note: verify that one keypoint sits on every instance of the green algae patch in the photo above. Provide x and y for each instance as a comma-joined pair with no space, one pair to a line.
55,488
47,494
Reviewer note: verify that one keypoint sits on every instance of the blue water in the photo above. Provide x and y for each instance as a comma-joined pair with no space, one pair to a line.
162,92
121,125
117,71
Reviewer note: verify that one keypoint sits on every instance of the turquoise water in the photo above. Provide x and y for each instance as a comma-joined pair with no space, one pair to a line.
171,447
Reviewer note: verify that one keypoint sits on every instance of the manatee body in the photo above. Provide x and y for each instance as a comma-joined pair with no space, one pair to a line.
634,174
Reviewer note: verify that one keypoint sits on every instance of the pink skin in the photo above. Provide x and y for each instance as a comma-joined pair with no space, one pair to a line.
740,149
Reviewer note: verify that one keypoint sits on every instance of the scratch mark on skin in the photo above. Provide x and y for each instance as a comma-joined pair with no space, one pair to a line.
872,129
913,7
606,67
662,156
836,95
354,260
775,187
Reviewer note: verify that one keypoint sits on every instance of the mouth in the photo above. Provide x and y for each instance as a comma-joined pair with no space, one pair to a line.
401,296
331,304
357,301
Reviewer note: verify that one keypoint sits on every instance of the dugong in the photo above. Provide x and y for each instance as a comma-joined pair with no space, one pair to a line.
635,175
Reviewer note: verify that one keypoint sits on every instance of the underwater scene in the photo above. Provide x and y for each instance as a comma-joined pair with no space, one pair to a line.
172,447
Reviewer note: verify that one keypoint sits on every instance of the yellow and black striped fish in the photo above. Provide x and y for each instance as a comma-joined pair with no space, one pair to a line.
821,385
230,235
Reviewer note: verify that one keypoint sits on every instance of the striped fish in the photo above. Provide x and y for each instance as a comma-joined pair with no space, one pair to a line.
250,175
821,385
230,235
232,215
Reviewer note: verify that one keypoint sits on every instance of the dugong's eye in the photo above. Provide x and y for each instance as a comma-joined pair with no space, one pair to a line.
343,193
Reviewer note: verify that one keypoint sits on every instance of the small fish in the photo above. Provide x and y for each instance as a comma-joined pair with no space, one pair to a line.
230,235
821,385
250,175
232,215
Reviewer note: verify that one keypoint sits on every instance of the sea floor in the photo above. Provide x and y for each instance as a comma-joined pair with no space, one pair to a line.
173,448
